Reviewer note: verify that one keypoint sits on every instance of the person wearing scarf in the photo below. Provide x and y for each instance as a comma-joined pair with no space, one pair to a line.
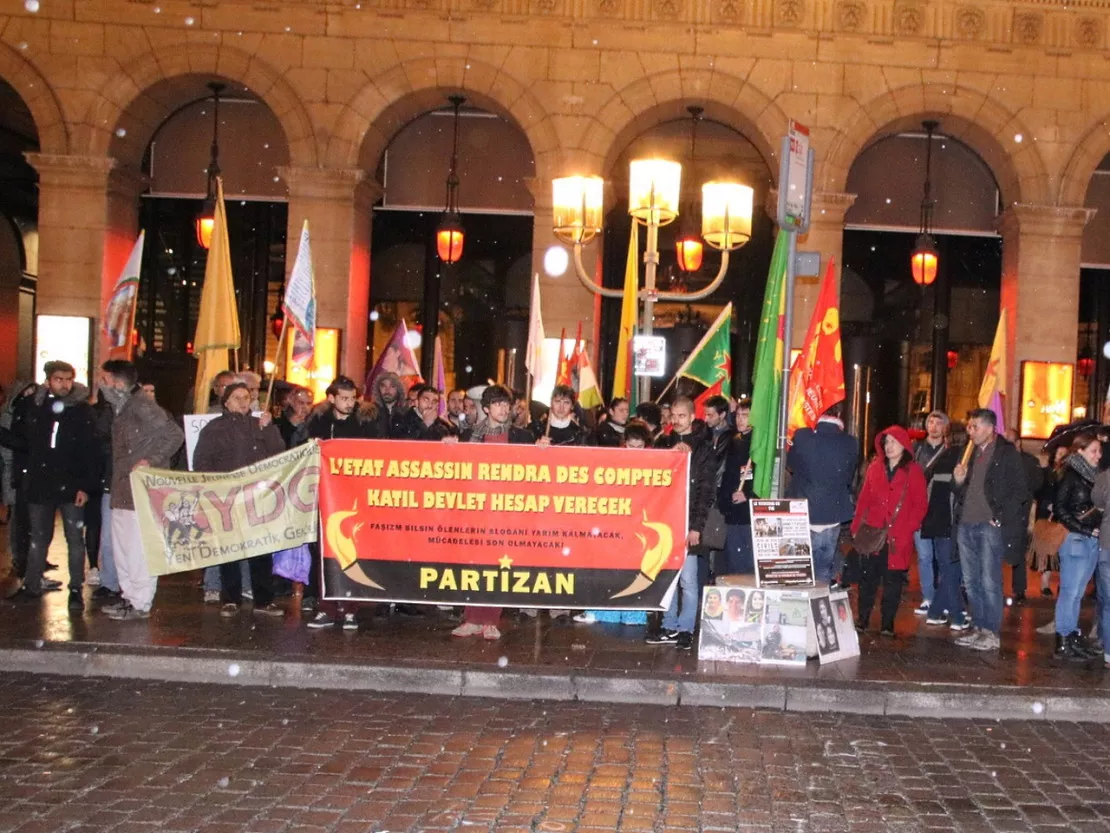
1079,554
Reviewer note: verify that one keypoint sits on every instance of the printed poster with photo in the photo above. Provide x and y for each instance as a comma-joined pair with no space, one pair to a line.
831,614
781,543
755,626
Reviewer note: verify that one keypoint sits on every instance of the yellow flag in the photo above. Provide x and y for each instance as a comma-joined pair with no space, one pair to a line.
218,319
622,373
994,379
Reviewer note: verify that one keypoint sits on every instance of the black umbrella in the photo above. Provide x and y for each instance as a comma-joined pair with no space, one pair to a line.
1062,435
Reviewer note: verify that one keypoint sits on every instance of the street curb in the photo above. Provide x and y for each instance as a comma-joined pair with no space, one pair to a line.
182,665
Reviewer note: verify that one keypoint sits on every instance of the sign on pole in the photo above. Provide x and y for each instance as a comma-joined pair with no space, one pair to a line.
795,184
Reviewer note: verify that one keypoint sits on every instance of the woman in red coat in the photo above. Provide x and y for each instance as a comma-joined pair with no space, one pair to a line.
893,496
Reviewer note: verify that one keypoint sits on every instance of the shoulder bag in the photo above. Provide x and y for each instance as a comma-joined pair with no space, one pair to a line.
869,540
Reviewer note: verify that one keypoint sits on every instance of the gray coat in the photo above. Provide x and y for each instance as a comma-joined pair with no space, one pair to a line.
142,430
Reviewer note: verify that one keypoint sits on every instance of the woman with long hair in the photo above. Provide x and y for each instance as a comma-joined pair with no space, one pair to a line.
1076,511
893,498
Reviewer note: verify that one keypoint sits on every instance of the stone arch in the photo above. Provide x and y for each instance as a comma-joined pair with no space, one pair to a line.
39,97
124,100
663,97
393,98
1088,154
968,115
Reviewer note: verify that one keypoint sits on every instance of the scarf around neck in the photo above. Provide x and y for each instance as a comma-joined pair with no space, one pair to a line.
1082,467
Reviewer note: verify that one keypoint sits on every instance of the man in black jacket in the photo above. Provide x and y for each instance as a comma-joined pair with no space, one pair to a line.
560,426
681,618
422,421
992,496
733,495
60,437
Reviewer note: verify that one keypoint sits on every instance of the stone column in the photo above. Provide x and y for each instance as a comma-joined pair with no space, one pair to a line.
88,221
825,235
338,205
1040,287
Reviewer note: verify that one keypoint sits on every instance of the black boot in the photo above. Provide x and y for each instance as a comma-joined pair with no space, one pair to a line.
1073,647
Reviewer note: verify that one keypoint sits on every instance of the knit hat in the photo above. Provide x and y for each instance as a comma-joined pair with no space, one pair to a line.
230,389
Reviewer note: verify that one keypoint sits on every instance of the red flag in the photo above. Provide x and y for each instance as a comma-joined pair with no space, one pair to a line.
716,389
817,378
562,377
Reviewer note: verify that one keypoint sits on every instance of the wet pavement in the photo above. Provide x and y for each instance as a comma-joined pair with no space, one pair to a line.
114,756
920,659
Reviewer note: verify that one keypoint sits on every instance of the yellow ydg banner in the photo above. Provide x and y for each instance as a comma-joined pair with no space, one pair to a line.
196,519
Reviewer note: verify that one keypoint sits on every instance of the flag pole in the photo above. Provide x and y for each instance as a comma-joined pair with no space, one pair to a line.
273,376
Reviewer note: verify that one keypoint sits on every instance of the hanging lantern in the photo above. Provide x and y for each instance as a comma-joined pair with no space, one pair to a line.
206,224
1085,366
953,359
206,219
450,238
690,251
277,322
923,261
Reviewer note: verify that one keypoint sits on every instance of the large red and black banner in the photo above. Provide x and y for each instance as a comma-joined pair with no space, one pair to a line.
491,524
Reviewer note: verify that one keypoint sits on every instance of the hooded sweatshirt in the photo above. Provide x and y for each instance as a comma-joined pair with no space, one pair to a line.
893,498
386,418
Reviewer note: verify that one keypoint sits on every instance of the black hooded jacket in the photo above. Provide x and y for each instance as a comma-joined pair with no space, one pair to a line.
703,476
59,434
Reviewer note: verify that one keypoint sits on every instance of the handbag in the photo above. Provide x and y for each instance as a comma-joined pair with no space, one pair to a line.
713,535
869,539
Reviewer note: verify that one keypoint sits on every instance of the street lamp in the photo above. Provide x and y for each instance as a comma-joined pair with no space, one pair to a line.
653,195
924,260
206,219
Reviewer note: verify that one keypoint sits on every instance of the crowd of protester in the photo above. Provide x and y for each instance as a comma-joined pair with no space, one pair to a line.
958,511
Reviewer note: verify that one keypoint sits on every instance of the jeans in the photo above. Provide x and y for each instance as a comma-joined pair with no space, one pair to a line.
682,615
108,576
261,573
948,596
825,553
41,516
873,570
1079,556
1102,580
212,579
739,559
925,570
19,534
981,551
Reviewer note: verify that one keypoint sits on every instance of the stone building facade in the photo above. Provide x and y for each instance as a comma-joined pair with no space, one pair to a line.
1025,84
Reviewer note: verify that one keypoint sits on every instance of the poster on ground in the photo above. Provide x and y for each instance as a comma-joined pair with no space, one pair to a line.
753,625
191,520
831,614
492,524
781,543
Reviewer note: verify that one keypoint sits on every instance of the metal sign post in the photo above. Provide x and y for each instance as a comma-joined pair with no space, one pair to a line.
796,163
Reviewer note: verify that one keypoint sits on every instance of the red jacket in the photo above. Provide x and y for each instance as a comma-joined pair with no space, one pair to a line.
879,497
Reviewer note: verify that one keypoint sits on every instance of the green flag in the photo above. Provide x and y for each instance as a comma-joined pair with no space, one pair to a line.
767,373
711,361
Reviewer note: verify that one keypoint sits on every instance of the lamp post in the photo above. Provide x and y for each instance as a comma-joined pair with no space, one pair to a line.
206,219
653,195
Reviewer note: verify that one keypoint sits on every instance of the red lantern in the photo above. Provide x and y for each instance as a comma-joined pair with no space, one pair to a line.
206,224
690,251
449,238
923,261
953,359
277,322
1085,366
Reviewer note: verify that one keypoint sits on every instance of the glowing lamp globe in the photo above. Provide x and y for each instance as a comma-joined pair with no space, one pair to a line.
690,251
206,224
449,239
924,261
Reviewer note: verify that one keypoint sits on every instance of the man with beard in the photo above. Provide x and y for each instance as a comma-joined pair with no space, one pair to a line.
423,421
456,406
685,438
388,398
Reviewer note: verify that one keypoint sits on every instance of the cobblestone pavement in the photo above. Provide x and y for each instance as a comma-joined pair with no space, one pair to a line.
104,756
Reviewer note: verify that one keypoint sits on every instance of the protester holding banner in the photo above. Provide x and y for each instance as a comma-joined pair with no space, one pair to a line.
387,403
423,422
234,440
892,502
685,437
497,427
733,495
560,426
143,434
610,433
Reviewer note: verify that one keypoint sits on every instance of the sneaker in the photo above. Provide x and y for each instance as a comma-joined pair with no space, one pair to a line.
969,637
861,626
103,592
888,632
923,608
350,623
467,629
959,626
229,610
76,603
115,606
490,632
92,577
320,620
129,613
685,641
585,618
937,620
664,637
987,641
211,597
49,584
530,612
248,595
271,610
308,603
